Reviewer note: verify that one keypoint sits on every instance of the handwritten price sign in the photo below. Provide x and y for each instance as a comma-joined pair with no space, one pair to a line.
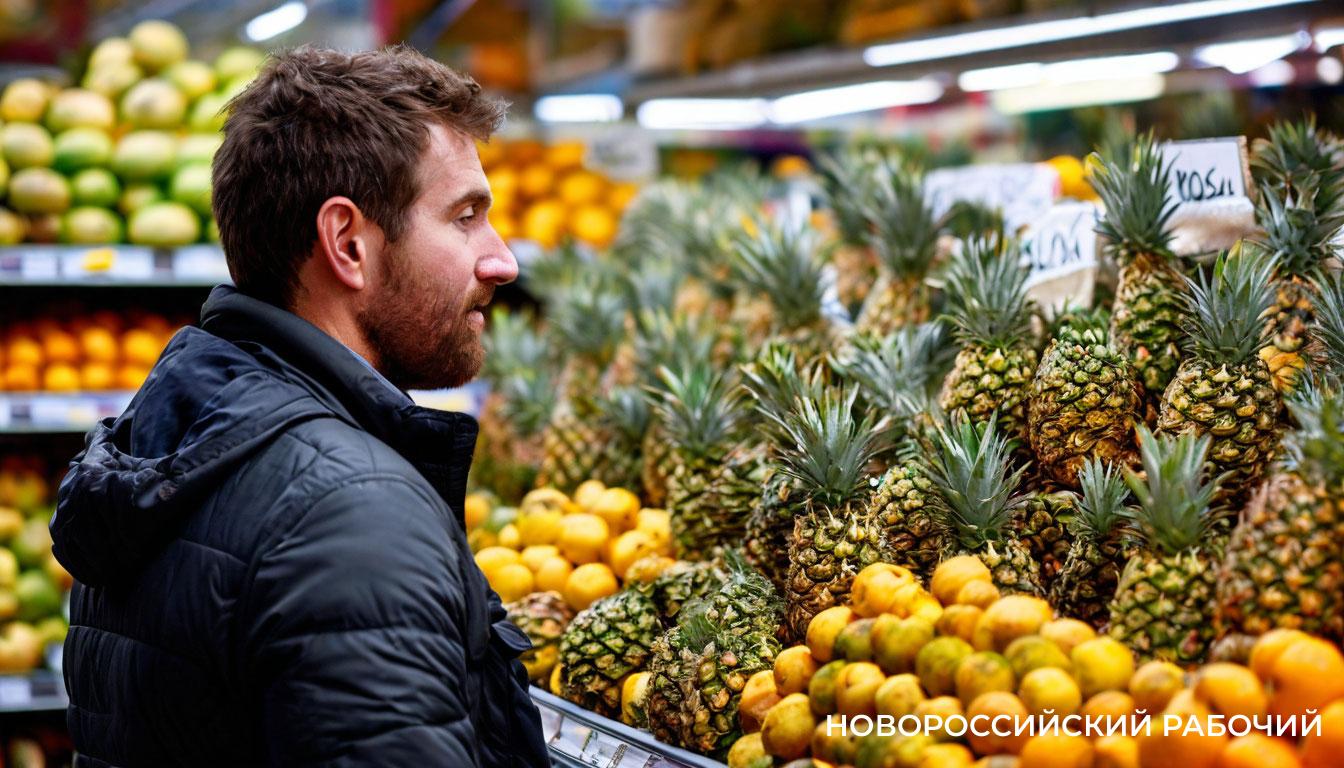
1210,169
1063,240
1023,191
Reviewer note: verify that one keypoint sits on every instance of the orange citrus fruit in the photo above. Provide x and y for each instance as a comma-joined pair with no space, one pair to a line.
1256,750
553,574
512,581
588,584
1056,750
1230,689
1324,750
1309,674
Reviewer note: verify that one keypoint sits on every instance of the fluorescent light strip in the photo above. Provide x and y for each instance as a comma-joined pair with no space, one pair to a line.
702,114
276,22
1063,72
966,43
1273,75
1242,56
849,99
1328,37
579,108
1016,101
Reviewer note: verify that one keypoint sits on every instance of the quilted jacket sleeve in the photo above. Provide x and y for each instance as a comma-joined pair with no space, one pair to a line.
354,635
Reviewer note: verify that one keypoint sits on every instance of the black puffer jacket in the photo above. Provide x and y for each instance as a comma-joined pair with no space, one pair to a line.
272,568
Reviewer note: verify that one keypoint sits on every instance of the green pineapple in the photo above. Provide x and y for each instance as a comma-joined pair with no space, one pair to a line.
849,181
782,280
986,286
681,584
610,639
1041,524
1132,181
1325,350
1223,388
904,236
676,342
1086,583
587,321
522,393
623,415
715,475
1298,230
543,616
1164,604
827,451
978,488
1084,401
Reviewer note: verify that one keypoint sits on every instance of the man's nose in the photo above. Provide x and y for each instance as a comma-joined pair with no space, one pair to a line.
498,266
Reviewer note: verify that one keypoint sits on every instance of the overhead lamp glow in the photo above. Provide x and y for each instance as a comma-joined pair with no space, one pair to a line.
1017,101
702,114
1273,75
1244,56
850,99
966,43
578,108
1328,37
1063,72
1330,70
276,22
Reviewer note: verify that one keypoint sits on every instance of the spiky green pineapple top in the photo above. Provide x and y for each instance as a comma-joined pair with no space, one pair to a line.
1225,319
1174,495
513,346
1297,156
663,339
1132,180
971,467
589,320
775,383
986,289
1315,447
825,448
1100,506
1297,229
700,410
1328,332
783,263
904,234
908,363
849,179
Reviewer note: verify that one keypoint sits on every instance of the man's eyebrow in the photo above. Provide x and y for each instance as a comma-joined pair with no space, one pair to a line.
479,196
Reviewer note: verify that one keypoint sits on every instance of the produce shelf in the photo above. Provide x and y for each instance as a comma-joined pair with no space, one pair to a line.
58,412
578,738
112,265
38,691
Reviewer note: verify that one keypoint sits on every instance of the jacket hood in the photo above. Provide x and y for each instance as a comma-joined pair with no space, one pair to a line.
218,395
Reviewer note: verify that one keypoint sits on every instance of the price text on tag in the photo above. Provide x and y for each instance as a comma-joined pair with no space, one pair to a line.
1022,191
1063,240
1207,169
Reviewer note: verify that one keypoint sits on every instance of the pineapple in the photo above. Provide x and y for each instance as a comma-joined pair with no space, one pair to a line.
849,180
1083,401
1132,181
904,502
1325,350
1223,388
1298,157
605,642
827,451
588,321
971,468
1298,233
991,312
1163,605
680,584
783,282
543,616
1086,583
1041,524
623,415
522,393
905,238
715,476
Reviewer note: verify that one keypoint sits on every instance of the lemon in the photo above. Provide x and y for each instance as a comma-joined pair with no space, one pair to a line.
490,558
588,584
553,573
475,510
509,537
587,493
540,525
583,537
628,548
513,581
619,507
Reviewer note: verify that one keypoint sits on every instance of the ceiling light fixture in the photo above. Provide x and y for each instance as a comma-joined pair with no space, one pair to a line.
1243,56
702,114
1063,72
579,108
276,22
849,99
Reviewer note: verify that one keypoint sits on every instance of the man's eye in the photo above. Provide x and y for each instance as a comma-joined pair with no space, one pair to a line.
468,214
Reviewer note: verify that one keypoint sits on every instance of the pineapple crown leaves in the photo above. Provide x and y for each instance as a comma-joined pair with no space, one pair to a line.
1225,319
899,372
905,232
1174,497
1132,181
987,296
1298,154
1327,332
625,409
783,263
528,400
967,219
1101,504
589,320
971,466
848,180
651,285
1297,231
700,409
774,381
513,346
825,448
1315,447
554,274
675,341
1076,319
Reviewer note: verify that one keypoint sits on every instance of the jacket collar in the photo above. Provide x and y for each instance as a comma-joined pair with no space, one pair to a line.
438,443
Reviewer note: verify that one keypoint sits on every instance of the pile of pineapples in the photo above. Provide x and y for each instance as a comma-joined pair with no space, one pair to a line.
1167,467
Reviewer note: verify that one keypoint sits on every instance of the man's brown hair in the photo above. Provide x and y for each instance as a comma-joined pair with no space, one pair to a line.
318,123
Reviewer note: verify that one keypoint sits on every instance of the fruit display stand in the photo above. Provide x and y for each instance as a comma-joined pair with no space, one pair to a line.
578,738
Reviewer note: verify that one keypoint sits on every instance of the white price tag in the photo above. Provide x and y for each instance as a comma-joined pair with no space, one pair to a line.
200,264
624,153
15,692
1207,169
1061,241
113,263
40,265
1022,191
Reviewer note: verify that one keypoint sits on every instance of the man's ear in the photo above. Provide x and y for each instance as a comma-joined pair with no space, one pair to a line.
344,240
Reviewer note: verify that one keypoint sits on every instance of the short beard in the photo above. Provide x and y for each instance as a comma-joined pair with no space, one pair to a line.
400,329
